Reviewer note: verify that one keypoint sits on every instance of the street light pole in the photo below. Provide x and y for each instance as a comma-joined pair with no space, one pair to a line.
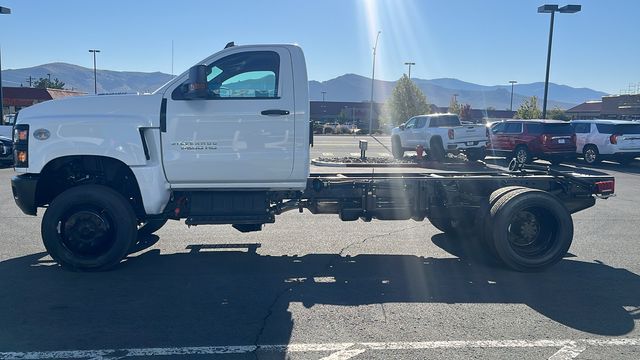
373,76
323,93
409,63
6,11
95,77
512,82
552,9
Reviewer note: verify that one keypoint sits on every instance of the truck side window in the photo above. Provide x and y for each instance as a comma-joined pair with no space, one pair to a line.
249,74
513,128
421,122
582,128
410,124
498,128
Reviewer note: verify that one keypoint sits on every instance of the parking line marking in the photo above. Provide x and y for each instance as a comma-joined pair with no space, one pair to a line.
568,348
569,351
344,354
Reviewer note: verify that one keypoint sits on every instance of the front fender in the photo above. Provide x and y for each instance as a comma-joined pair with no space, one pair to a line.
103,135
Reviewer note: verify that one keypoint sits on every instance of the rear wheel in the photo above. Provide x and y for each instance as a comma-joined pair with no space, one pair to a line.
530,229
436,149
476,154
89,228
591,154
396,148
522,155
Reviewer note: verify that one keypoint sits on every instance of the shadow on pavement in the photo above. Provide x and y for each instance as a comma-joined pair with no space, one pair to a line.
222,295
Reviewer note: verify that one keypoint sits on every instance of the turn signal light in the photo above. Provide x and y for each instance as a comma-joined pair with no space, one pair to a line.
21,157
22,134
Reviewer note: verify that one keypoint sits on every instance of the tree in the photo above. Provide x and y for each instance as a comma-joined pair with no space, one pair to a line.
529,109
465,112
558,114
454,107
406,101
45,83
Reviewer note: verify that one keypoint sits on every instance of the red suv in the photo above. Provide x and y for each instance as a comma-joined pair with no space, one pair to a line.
525,140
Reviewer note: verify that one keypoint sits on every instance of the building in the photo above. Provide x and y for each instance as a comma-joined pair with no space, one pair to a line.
345,112
622,107
585,111
16,98
619,107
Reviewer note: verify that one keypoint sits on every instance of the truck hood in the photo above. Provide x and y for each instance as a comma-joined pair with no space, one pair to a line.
141,109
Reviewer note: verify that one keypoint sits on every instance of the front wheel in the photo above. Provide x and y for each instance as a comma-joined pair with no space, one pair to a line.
89,228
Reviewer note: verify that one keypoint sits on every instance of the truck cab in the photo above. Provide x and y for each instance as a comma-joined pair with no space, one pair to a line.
239,119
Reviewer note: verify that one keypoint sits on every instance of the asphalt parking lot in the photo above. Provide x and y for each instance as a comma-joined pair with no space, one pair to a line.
312,287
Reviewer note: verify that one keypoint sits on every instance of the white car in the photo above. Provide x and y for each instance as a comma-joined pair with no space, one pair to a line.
617,140
439,134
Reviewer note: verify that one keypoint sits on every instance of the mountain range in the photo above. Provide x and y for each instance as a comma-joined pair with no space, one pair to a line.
348,87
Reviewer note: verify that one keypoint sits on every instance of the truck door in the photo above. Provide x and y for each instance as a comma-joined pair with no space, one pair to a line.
240,130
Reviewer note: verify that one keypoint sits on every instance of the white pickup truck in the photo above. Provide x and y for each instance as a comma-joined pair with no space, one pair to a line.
439,134
227,142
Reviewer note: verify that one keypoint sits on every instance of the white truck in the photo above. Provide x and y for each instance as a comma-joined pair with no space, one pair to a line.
227,142
439,134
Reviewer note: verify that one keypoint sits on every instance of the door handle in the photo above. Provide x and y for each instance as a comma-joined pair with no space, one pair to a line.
275,112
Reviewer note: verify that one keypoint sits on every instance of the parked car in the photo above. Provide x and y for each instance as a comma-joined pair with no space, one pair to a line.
439,134
526,140
6,151
617,140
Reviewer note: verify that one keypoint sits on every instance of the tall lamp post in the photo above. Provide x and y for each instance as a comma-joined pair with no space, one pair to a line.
552,9
512,82
373,76
409,63
3,10
95,77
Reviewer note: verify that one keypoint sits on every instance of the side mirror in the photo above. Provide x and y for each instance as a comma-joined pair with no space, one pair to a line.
196,86
402,127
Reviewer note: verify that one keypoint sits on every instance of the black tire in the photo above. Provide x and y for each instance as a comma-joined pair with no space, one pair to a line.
89,228
396,148
591,155
436,149
530,229
522,155
476,154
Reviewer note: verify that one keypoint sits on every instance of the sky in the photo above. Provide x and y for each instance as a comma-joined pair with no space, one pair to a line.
488,42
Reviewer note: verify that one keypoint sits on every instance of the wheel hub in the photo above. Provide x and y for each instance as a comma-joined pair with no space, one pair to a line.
524,229
86,232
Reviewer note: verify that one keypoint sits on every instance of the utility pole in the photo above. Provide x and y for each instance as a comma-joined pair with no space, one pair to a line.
30,80
373,76
95,77
512,82
409,63
323,94
6,11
